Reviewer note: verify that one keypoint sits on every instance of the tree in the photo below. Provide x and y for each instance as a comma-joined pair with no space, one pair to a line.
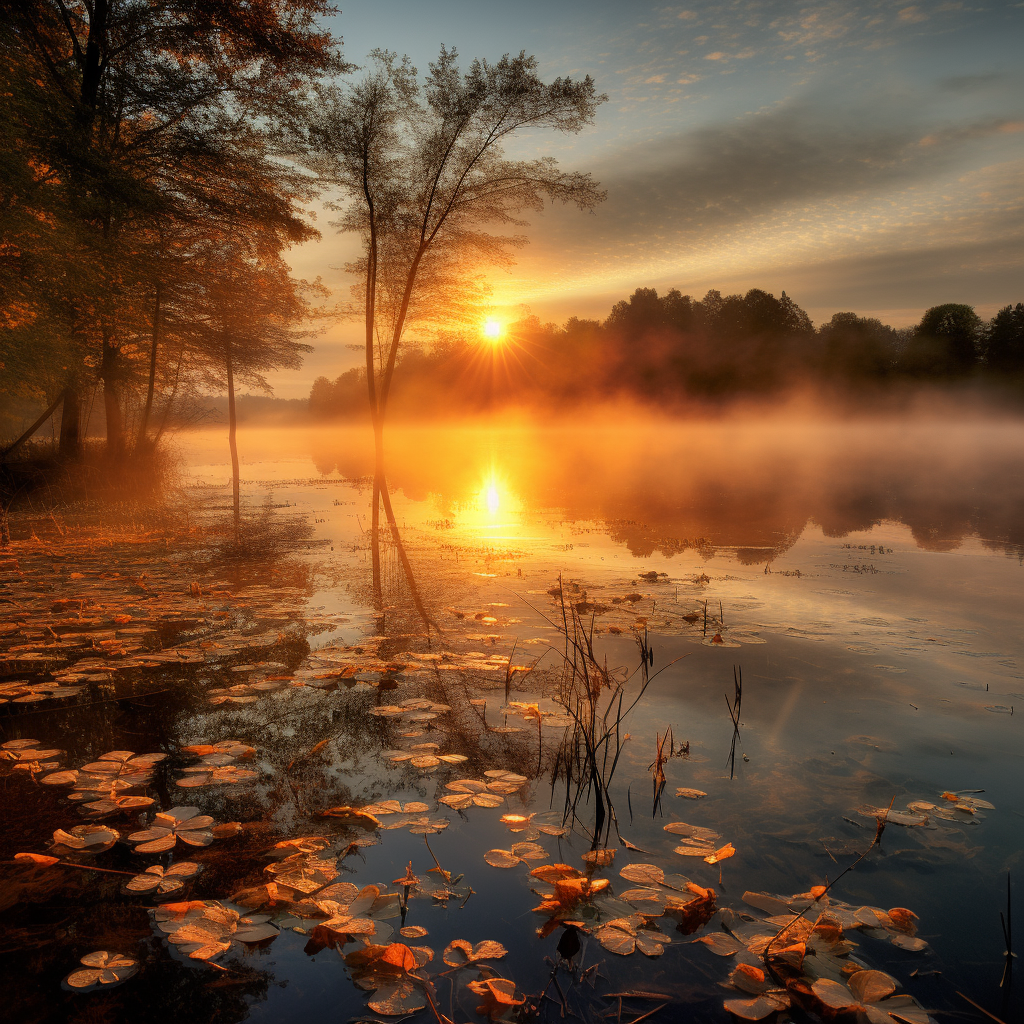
421,169
1003,341
149,115
421,174
945,342
248,321
854,349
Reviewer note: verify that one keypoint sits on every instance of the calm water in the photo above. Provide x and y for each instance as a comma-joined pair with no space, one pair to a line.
866,579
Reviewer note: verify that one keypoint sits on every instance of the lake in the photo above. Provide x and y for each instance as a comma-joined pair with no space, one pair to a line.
658,678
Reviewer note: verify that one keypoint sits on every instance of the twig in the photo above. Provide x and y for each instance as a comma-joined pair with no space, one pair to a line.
982,1008
824,892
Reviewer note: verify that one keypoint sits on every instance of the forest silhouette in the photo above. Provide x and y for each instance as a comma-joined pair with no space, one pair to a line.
673,350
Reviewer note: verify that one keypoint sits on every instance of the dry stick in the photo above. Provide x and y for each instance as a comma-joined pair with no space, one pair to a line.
874,842
80,867
637,1020
982,1008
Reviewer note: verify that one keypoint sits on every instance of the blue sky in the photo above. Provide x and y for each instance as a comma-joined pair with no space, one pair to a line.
864,156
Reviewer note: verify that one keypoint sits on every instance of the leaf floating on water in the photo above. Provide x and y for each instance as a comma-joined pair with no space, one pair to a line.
38,858
184,823
498,996
201,929
413,931
617,937
467,786
871,986
891,817
748,978
426,827
690,794
598,858
759,1008
87,838
60,779
162,881
501,858
833,995
488,799
101,969
915,945
695,832
719,855
529,851
256,929
460,952
688,850
645,874
721,943
651,943
457,801
769,904
516,821
425,761
353,816
552,830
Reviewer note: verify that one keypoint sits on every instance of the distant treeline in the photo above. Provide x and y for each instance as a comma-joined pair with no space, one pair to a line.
671,349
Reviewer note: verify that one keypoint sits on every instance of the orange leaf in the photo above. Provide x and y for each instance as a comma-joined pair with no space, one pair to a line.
719,855
399,955
37,858
553,872
903,920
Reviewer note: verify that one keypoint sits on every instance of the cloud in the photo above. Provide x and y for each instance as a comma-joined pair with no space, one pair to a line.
687,15
976,130
791,186
972,83
717,55
910,15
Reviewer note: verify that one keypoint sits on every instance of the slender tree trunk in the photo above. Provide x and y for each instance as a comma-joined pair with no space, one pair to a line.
144,425
232,442
71,424
111,403
378,592
406,564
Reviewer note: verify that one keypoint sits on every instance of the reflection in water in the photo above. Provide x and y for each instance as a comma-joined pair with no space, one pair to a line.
751,489
320,651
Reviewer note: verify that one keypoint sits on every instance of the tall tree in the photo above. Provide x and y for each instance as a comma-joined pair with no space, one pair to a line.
165,103
422,174
1003,341
945,343
249,318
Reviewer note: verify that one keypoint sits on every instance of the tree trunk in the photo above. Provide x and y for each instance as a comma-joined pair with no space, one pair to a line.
71,424
144,425
406,564
232,442
111,403
378,592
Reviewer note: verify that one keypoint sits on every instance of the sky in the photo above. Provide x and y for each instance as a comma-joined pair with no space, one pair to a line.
861,156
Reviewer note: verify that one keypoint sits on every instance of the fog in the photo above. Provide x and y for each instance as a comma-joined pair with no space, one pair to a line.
749,483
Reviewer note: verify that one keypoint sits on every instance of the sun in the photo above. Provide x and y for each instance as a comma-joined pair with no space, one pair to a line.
492,330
